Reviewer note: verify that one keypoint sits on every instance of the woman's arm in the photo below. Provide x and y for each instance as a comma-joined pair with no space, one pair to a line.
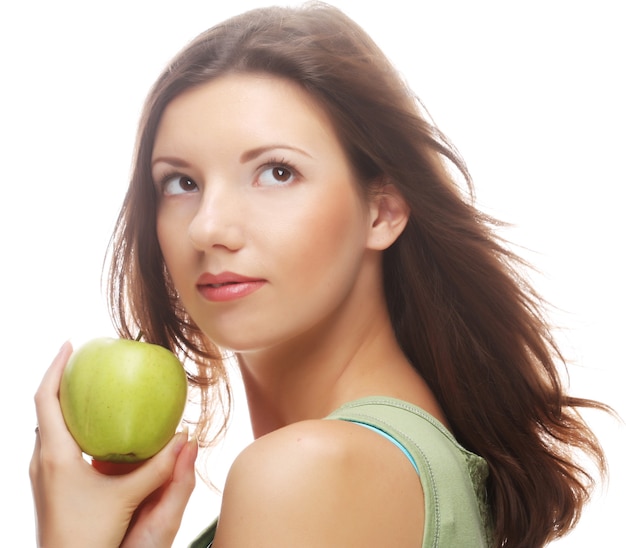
321,483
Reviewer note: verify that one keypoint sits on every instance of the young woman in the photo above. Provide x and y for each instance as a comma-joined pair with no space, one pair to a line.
292,207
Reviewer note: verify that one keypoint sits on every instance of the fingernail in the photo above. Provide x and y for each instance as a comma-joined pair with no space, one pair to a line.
181,439
64,347
194,446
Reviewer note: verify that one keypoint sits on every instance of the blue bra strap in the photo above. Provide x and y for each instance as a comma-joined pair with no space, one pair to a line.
393,440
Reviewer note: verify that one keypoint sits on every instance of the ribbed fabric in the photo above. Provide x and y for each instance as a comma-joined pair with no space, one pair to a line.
453,479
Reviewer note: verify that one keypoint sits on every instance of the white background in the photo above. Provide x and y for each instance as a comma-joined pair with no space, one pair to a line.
531,93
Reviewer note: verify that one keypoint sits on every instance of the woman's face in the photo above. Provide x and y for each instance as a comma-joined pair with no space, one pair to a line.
260,220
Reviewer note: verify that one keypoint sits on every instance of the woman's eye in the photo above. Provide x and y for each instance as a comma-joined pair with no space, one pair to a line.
276,175
178,184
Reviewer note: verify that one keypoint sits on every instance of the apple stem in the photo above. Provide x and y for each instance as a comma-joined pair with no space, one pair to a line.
139,335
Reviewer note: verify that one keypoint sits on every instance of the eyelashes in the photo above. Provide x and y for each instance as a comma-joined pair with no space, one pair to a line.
275,172
173,184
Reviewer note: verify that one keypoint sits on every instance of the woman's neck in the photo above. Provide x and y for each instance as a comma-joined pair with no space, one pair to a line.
310,377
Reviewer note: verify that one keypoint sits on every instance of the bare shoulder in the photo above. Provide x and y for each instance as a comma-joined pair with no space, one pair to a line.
321,483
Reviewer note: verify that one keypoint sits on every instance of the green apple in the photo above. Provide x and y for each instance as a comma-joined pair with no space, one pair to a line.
122,400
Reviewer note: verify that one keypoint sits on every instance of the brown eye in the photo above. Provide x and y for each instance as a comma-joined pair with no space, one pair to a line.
275,175
281,174
178,184
186,183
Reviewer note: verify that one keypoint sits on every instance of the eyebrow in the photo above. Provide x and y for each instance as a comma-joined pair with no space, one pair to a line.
176,162
256,152
247,156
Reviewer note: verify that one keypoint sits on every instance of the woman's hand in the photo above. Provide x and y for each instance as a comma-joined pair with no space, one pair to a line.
78,506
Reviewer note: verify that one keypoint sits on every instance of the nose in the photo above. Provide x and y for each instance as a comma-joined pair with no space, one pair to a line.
217,224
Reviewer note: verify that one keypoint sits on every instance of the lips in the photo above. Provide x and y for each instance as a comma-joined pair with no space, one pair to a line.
227,286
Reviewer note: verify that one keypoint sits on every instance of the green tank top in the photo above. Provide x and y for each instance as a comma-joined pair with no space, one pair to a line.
453,479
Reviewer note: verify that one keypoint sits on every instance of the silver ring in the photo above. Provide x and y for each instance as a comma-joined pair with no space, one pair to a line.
37,429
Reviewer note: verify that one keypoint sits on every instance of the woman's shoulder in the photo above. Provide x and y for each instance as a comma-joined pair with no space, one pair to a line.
321,482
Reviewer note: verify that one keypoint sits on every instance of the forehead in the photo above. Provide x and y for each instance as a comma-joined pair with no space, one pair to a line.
250,104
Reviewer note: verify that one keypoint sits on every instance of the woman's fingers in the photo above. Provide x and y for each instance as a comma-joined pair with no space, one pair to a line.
53,442
158,518
183,480
158,469
78,506
33,469
49,417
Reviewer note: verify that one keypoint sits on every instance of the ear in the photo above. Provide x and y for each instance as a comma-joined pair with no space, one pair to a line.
389,214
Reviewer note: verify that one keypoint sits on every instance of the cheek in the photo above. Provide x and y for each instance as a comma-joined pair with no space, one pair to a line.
342,219
328,234
169,236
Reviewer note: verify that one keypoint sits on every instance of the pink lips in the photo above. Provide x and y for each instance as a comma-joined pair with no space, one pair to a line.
227,286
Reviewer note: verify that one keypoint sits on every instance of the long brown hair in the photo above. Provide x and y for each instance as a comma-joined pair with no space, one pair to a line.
461,310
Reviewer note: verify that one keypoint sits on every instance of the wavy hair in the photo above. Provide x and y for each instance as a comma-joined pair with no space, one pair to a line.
463,314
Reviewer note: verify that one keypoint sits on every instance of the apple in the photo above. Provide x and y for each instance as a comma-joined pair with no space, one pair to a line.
121,399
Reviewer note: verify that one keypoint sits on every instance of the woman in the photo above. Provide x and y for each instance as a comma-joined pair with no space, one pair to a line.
291,205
